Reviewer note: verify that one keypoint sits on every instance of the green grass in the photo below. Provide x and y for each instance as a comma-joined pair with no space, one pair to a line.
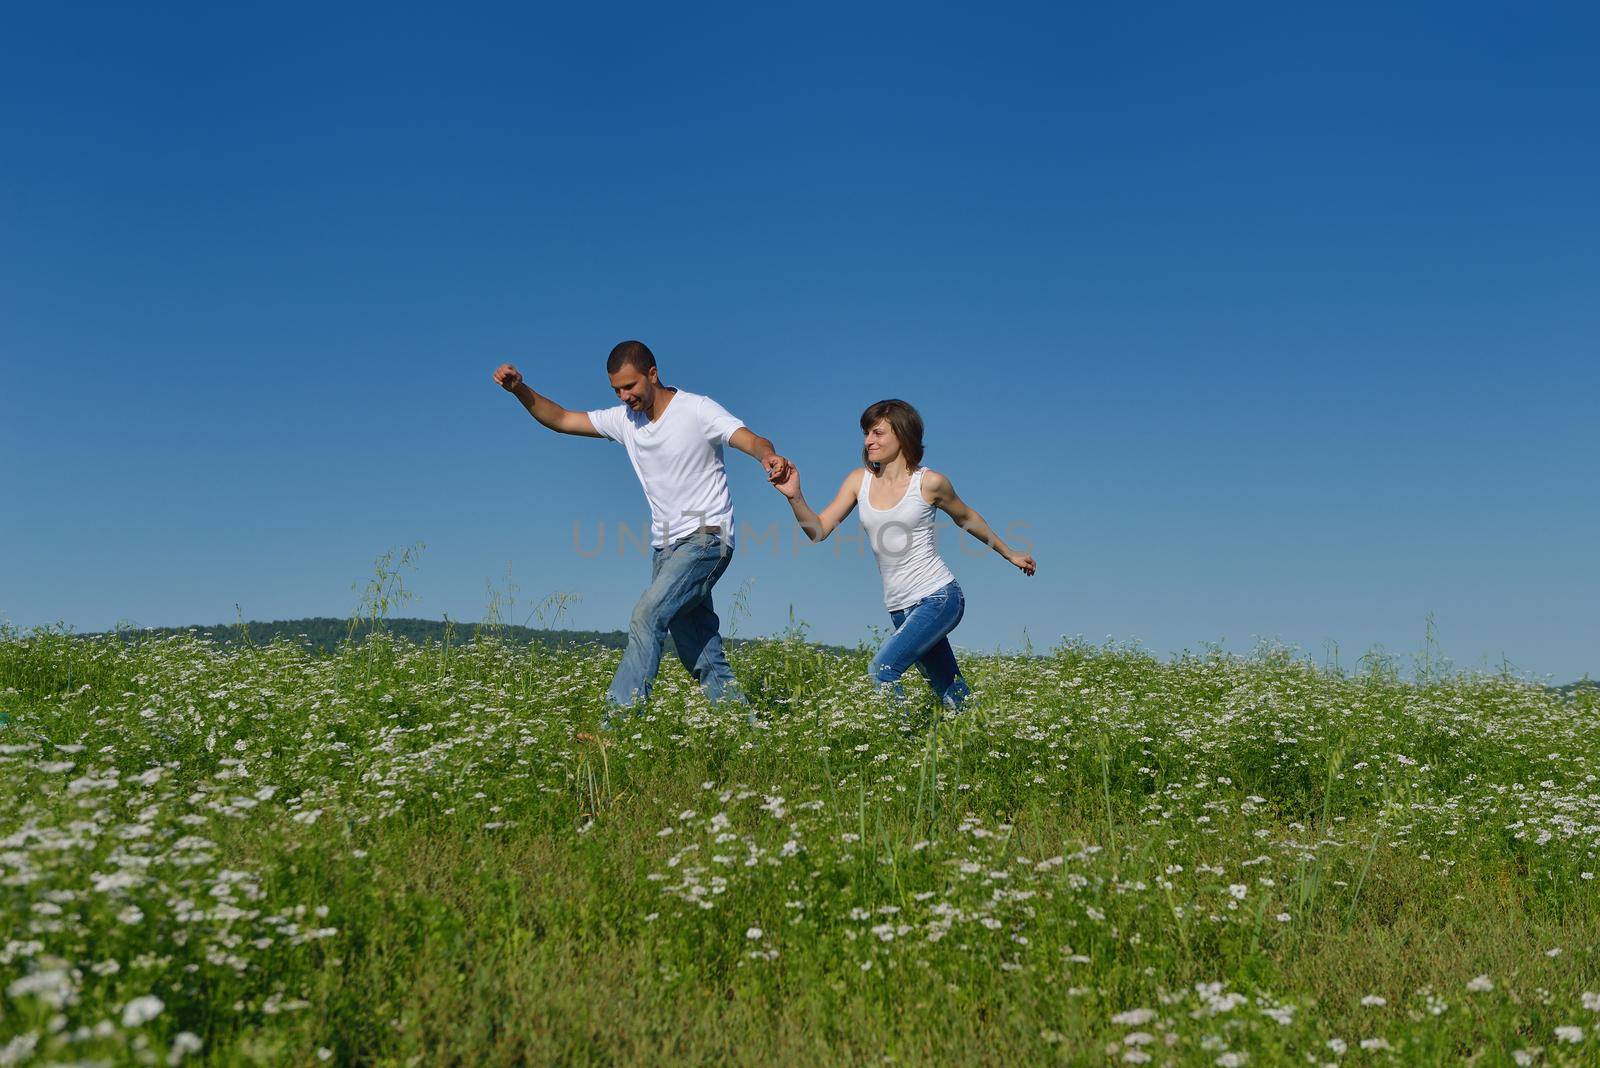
406,854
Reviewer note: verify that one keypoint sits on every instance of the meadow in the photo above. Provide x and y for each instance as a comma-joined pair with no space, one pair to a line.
420,854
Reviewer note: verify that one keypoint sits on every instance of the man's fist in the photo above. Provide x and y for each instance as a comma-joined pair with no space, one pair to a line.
777,467
508,377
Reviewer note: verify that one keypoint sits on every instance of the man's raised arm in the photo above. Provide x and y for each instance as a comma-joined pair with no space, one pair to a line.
544,409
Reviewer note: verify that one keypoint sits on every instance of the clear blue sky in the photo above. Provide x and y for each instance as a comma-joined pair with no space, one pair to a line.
1271,321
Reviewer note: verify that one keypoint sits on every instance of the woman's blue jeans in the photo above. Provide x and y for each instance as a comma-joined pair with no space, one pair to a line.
921,637
678,601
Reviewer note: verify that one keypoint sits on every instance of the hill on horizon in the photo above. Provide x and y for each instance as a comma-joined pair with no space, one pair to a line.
326,633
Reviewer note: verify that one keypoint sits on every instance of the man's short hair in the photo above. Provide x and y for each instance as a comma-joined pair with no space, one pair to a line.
636,353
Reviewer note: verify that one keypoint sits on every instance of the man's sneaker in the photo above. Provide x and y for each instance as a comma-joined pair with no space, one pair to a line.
615,717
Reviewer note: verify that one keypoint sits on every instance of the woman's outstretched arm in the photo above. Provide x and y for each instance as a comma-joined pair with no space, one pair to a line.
818,527
941,494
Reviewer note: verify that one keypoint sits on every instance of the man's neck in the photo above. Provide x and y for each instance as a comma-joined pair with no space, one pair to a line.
664,397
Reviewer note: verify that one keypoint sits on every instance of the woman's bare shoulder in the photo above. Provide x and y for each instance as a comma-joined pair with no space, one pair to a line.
933,482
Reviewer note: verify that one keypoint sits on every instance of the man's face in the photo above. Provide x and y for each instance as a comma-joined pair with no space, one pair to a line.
636,388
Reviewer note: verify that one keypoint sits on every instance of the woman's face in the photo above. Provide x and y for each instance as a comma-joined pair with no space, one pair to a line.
881,444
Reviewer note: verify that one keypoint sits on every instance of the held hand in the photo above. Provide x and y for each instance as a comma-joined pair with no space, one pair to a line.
778,468
508,377
1022,561
790,486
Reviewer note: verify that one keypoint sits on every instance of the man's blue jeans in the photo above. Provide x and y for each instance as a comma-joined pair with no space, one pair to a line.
921,637
678,601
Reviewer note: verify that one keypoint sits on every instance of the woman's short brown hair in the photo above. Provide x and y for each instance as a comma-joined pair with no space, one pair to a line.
904,421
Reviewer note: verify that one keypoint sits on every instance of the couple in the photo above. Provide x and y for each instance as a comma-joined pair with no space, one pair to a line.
675,439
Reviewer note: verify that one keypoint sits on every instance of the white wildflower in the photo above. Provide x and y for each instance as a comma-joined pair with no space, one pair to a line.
53,986
141,1010
183,1044
18,1049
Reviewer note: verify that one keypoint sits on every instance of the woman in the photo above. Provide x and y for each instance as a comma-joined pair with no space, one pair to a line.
898,496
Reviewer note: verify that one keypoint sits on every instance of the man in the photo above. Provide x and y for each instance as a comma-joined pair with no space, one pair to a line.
674,439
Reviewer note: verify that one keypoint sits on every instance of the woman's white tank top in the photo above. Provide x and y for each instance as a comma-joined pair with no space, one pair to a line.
902,539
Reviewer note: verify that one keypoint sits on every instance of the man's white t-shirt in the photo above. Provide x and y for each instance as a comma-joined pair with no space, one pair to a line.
678,459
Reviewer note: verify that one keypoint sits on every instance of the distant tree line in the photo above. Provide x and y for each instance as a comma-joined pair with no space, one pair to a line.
325,634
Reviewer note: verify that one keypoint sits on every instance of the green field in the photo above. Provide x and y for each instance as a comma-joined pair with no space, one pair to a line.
419,854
